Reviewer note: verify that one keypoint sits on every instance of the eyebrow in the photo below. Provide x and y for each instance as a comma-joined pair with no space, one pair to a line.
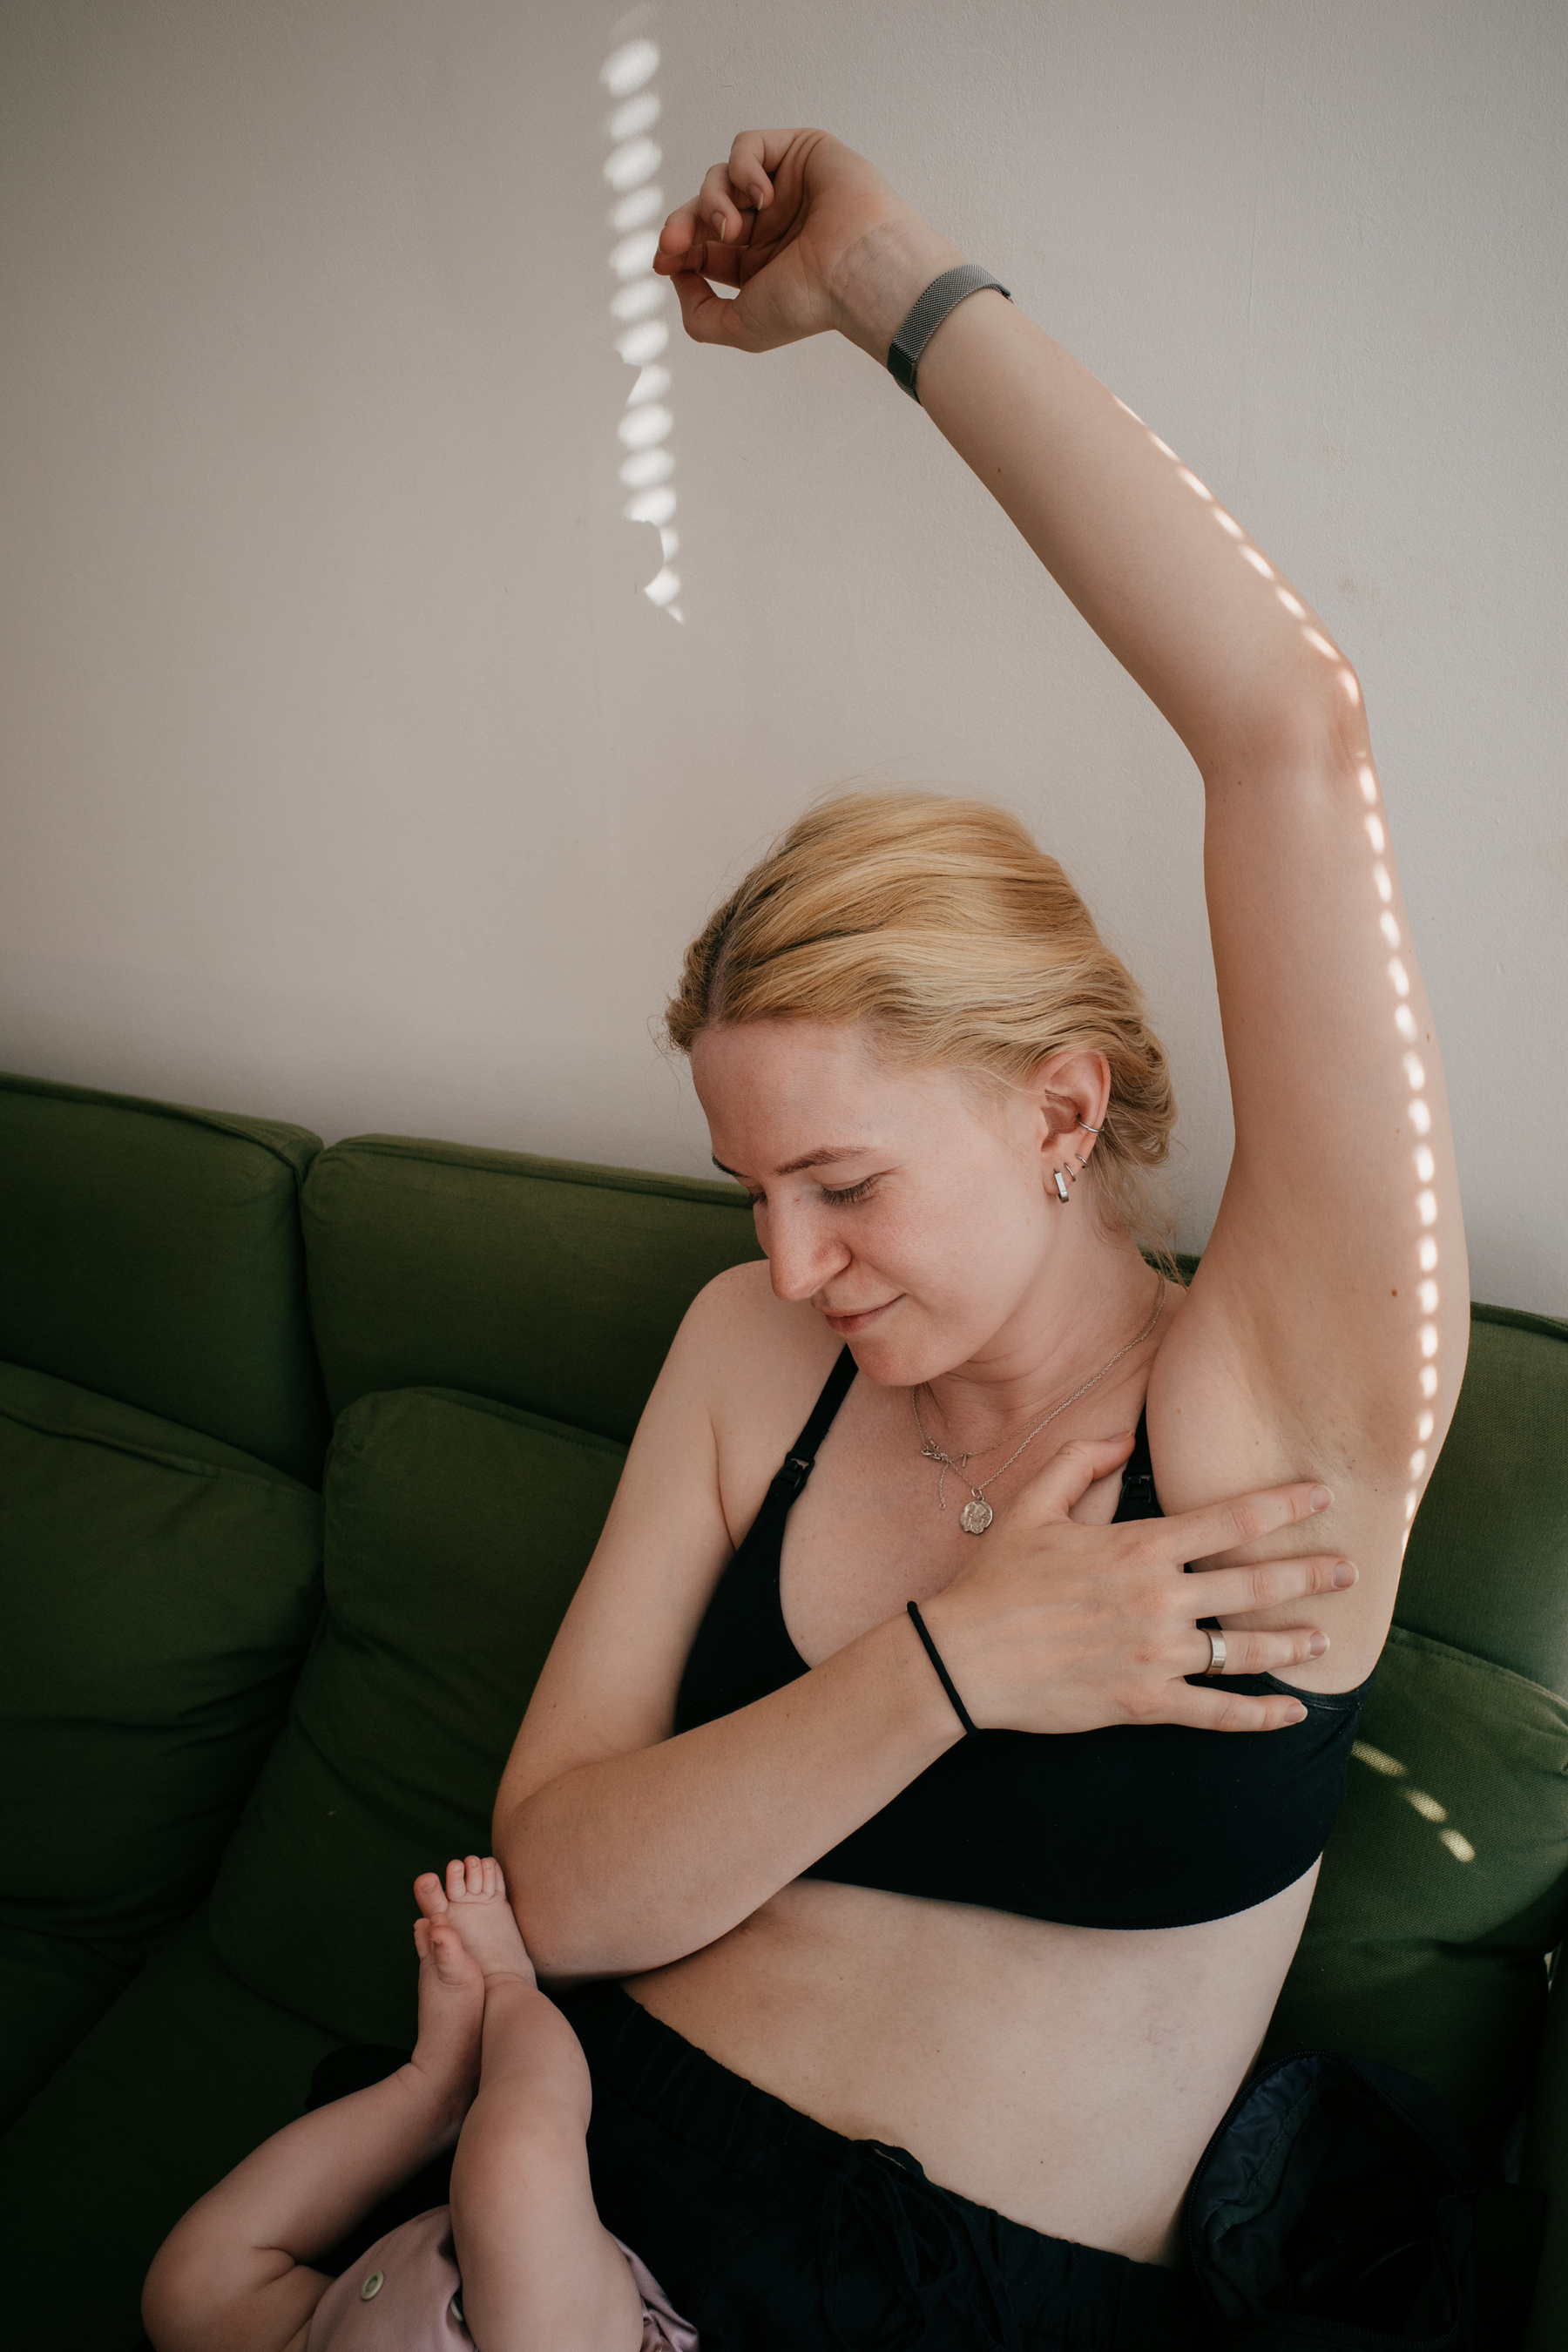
820,1159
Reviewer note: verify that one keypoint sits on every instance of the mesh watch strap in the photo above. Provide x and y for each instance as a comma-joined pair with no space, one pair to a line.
943,295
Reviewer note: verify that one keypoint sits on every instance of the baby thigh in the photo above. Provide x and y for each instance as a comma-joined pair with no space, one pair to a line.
541,2272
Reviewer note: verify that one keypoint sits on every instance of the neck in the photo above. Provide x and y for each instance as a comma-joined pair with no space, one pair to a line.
1091,1298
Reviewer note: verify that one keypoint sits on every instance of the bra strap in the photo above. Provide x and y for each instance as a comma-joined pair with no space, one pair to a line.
799,1462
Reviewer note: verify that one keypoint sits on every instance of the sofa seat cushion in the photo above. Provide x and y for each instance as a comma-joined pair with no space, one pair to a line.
158,1591
153,1252
1445,1883
456,1532
52,1988
180,2079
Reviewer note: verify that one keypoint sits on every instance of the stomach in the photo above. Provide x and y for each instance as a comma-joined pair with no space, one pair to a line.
1069,2077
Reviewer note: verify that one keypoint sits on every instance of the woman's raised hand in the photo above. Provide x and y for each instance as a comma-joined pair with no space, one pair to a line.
1062,1627
813,238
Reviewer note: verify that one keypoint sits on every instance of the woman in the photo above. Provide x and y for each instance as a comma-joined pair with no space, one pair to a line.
918,2034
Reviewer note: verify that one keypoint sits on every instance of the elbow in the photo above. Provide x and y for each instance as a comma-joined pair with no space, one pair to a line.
548,1919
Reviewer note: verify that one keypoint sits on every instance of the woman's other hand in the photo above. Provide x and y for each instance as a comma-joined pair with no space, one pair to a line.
813,236
1063,1627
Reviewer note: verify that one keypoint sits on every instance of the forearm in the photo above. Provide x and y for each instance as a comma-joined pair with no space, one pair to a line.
630,1863
1169,582
298,2193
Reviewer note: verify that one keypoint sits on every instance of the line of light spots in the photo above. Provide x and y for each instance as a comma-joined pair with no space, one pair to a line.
645,426
1260,562
1377,1759
1419,1114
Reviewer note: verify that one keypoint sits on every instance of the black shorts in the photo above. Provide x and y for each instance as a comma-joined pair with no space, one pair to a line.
774,2234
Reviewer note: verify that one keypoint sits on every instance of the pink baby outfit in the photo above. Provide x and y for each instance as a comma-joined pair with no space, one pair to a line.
406,2295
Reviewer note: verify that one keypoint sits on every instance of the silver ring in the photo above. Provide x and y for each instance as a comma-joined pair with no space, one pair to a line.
1217,1651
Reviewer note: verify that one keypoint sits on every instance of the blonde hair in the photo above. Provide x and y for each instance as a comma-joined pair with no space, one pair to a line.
939,923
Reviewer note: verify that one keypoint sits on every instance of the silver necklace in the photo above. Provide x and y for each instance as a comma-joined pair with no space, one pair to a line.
977,1513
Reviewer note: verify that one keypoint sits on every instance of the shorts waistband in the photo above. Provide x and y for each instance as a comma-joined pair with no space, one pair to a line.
640,2063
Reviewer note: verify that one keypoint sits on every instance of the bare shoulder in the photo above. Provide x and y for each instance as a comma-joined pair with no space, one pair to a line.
710,1437
759,1363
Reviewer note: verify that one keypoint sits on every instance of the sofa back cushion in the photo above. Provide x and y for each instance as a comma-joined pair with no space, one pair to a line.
457,1529
153,1254
158,1591
543,1283
1446,1880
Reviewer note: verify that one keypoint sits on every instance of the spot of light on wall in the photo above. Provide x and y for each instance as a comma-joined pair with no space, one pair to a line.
645,423
636,302
1459,1846
1427,1807
635,211
629,67
644,428
1378,1760
638,114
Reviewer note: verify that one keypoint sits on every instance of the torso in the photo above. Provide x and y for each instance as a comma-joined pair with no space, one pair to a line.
1068,2077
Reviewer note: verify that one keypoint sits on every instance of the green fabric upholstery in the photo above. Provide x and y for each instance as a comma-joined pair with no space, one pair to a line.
52,1988
158,1591
457,1531
183,2077
543,1283
1446,1877
153,1254
1546,2166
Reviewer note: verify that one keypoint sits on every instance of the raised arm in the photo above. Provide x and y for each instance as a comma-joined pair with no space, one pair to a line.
1329,1319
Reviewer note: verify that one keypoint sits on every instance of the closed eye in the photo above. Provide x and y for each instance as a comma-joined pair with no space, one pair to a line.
846,1199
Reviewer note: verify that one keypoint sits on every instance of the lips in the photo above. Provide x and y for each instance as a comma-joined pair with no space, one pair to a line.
847,1322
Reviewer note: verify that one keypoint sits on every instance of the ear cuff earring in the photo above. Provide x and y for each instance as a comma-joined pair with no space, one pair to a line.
1061,1181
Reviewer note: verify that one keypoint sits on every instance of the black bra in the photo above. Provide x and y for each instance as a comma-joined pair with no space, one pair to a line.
1145,1825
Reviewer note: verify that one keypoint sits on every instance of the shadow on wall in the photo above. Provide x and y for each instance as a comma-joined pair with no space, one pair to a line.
645,429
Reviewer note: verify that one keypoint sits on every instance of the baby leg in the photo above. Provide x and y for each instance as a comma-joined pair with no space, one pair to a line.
236,2270
539,2267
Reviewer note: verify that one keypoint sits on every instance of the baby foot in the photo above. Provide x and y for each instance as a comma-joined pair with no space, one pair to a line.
472,1910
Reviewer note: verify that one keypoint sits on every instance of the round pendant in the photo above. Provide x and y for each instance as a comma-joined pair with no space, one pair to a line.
976,1517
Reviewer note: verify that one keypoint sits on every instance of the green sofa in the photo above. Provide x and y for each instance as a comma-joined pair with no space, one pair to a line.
304,1451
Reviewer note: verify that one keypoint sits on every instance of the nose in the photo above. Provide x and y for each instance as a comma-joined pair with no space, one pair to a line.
803,1253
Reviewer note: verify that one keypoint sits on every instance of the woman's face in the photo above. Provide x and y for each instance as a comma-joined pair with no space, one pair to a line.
906,1206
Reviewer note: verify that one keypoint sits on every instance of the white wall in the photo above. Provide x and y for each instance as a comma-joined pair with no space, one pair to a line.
348,775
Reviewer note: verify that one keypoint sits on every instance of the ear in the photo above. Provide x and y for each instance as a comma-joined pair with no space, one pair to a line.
1070,1092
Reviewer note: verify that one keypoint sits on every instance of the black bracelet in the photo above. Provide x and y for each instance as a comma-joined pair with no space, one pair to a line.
920,323
934,1654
